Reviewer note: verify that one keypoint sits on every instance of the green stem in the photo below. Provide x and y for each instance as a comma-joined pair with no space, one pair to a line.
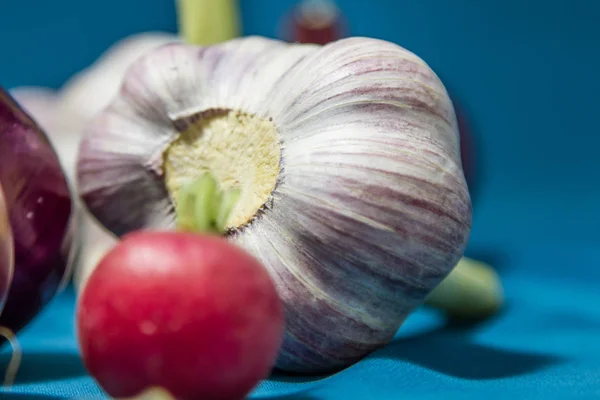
472,290
204,207
207,22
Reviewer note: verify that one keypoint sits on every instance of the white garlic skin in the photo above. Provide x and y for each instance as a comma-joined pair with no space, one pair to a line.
371,210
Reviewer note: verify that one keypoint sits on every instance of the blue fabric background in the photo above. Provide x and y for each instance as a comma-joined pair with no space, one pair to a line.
526,74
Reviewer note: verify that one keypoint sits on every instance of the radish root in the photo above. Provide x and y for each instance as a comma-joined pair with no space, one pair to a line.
15,359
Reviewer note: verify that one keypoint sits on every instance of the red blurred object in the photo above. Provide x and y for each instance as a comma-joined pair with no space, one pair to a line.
315,21
194,315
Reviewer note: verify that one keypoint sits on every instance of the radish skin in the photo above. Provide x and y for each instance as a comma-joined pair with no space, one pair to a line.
192,314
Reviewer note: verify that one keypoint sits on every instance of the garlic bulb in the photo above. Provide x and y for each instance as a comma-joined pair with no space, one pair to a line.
347,161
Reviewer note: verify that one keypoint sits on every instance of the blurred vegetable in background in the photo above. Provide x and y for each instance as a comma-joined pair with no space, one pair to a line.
313,21
65,113
205,22
41,213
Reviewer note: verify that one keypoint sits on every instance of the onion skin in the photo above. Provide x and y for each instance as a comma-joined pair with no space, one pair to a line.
6,251
189,313
39,205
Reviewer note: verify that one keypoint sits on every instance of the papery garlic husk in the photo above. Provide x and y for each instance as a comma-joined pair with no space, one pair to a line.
347,157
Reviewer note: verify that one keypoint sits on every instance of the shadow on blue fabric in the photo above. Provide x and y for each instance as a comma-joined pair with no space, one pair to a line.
448,349
452,351
38,367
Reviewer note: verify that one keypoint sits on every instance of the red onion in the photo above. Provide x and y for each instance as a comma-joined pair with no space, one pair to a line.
40,212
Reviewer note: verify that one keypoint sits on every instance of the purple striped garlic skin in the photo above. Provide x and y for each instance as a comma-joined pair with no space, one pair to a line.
368,208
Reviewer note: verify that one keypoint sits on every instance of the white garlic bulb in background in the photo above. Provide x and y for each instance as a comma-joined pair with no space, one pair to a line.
92,89
63,114
347,158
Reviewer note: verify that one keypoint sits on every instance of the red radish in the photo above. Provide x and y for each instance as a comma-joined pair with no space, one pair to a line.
193,314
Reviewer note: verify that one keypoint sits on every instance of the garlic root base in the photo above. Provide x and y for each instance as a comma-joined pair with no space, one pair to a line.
472,290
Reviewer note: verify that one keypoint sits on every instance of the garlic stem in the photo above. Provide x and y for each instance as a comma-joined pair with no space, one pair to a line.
472,290
204,207
206,22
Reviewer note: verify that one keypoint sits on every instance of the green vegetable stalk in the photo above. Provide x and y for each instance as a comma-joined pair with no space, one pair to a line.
206,22
472,290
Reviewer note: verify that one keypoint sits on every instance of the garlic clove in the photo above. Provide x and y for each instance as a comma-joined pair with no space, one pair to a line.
180,80
352,192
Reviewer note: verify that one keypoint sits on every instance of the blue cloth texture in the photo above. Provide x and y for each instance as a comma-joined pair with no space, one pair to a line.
526,75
